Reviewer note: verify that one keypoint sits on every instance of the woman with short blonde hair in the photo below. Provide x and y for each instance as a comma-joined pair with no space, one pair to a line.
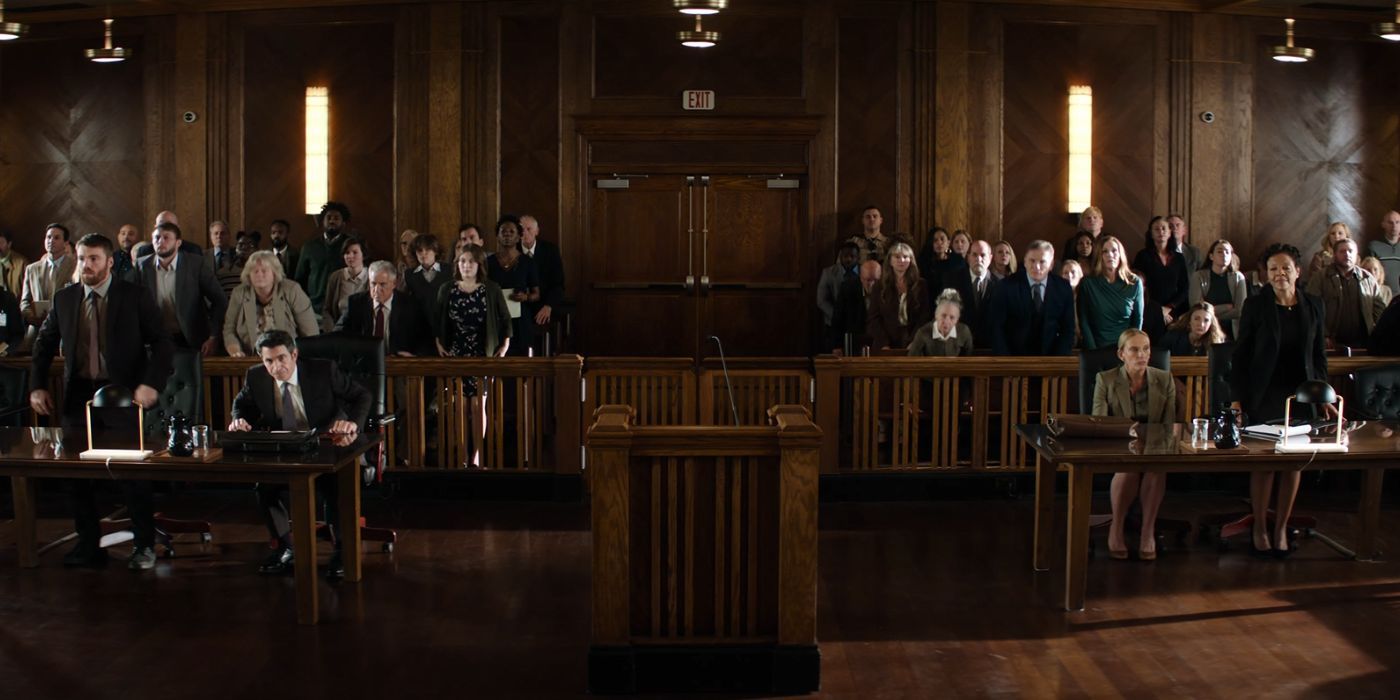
265,300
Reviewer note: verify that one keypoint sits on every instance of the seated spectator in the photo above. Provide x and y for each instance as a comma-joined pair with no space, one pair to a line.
1350,296
944,336
848,320
1194,333
265,301
899,302
381,311
1322,259
353,279
517,275
1003,260
1166,282
962,242
473,321
1373,265
428,278
1032,312
829,287
1147,395
940,266
1220,284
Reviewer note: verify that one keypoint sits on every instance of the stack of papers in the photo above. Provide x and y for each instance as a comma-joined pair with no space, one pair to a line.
1275,432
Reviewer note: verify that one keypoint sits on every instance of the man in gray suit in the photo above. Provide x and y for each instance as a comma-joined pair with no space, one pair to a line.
191,302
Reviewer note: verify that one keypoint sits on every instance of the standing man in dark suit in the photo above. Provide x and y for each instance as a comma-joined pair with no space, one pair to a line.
383,313
1032,311
287,392
281,247
191,301
550,267
104,327
143,249
976,286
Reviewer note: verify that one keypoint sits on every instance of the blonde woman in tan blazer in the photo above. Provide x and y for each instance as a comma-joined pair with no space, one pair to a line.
1148,395
266,300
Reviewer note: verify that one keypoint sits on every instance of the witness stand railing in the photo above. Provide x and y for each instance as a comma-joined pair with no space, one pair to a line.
877,414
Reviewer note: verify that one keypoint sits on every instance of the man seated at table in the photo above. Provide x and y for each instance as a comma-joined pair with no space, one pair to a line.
287,392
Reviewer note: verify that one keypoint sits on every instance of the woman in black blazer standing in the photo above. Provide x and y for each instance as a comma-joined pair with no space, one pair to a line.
1281,344
1165,278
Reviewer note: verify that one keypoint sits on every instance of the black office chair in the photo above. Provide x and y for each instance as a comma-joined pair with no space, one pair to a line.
362,359
183,394
1377,395
1091,363
14,396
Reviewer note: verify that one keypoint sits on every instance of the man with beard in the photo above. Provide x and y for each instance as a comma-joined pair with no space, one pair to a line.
165,217
322,255
186,290
281,247
123,264
103,327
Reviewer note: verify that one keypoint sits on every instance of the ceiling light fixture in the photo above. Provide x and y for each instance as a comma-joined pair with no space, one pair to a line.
698,39
108,53
1288,53
9,31
700,7
1390,31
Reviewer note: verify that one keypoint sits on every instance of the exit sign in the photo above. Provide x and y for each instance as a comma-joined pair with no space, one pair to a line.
698,99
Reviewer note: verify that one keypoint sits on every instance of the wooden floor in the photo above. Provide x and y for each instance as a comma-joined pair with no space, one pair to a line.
924,599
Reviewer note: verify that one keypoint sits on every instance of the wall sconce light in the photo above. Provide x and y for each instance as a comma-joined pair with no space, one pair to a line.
108,53
9,31
700,7
699,38
1288,53
1390,31
1081,146
318,148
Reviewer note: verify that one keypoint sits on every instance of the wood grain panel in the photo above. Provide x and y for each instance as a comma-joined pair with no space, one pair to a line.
868,103
1041,62
1326,142
529,120
71,142
282,60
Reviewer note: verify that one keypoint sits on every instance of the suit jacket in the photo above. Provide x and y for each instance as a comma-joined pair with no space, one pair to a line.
1385,337
327,395
141,250
849,314
976,309
1257,346
200,303
288,256
14,274
409,328
40,287
1327,284
12,328
1011,320
291,312
550,267
1112,397
132,324
882,314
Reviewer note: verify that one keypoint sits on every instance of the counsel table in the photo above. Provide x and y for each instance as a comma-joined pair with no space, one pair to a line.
27,453
1167,448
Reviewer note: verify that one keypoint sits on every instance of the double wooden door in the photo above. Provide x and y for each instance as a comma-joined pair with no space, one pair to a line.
672,260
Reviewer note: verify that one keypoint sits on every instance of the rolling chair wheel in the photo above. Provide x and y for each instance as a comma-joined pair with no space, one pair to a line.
169,552
388,547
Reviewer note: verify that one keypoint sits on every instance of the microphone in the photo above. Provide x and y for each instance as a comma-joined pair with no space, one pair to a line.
727,385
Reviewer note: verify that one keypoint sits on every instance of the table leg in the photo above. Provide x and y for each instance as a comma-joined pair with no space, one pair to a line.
23,493
349,508
1370,513
304,544
1081,482
1044,514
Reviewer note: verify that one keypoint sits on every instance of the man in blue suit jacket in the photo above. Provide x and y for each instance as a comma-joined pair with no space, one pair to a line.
1032,311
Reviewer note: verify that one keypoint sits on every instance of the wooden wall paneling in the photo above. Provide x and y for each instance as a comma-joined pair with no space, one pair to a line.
444,120
951,117
1161,114
529,118
1179,94
410,119
923,90
475,64
575,93
191,201
1221,178
217,145
70,138
236,211
985,84
162,120
868,121
819,65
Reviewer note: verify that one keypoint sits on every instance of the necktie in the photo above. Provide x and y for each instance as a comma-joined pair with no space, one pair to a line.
1038,296
94,354
289,412
379,320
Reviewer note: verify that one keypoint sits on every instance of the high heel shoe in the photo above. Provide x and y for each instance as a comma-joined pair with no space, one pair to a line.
1147,555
